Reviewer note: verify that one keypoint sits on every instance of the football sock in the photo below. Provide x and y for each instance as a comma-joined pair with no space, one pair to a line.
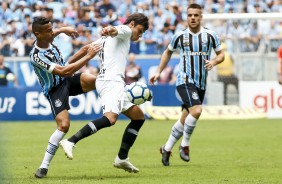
189,126
52,147
129,137
175,135
89,129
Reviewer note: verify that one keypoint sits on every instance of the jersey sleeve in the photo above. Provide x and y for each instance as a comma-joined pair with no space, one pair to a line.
174,42
42,62
123,32
216,44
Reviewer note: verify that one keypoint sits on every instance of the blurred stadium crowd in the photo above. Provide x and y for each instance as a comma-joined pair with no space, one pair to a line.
166,18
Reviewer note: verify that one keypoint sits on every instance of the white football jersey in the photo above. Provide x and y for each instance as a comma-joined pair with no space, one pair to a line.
114,53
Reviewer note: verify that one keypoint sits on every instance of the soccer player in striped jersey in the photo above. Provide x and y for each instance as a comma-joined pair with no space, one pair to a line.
58,80
111,86
195,45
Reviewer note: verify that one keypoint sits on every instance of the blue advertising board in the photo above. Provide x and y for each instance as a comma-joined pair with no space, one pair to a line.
29,103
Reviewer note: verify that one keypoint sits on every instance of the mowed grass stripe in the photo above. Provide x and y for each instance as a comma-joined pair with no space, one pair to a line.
222,151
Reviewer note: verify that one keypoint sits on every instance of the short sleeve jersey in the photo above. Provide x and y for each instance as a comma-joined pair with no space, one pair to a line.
194,48
43,62
114,53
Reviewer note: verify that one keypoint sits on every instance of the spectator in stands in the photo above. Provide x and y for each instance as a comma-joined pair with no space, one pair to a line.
112,18
132,71
279,52
150,40
105,6
126,6
81,39
6,14
164,38
28,40
5,43
6,74
225,73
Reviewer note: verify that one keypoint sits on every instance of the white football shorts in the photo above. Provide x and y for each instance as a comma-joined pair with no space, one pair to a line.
113,96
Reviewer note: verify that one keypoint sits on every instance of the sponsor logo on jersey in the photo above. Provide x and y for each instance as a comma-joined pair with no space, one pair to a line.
191,53
39,62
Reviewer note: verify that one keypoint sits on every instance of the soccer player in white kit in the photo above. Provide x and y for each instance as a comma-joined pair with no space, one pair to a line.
110,86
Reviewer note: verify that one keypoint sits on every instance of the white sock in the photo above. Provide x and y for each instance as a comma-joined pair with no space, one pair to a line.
175,135
52,147
189,125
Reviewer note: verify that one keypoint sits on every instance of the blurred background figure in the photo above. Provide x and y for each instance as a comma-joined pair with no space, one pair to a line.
225,73
88,68
132,71
6,74
280,65
166,77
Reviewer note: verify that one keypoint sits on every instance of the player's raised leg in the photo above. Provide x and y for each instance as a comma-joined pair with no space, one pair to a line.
89,129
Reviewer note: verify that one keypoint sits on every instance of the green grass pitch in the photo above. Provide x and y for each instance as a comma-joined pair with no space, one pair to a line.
222,151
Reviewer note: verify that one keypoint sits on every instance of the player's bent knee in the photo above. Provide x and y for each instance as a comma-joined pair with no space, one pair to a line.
64,127
134,113
112,117
87,82
196,111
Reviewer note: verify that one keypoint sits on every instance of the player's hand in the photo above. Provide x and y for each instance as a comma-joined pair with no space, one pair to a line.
94,48
280,79
109,31
154,79
71,32
209,64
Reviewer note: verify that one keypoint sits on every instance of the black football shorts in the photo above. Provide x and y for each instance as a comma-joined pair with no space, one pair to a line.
190,95
58,96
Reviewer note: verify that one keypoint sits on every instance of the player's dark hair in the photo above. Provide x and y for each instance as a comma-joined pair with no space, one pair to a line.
138,19
38,22
195,6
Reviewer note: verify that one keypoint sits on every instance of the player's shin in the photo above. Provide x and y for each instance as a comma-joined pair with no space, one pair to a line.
52,147
129,137
189,126
175,135
89,129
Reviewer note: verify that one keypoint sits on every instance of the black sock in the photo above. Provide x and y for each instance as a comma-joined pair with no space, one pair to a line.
89,129
129,137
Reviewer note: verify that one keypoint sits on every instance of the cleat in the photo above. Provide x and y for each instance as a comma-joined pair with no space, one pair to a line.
184,153
125,165
41,173
67,147
165,156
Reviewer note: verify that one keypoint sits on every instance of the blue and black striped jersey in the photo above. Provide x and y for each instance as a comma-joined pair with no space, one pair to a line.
193,47
43,62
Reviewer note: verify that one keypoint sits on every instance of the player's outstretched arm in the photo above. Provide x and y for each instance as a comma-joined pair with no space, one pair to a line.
109,31
70,69
70,31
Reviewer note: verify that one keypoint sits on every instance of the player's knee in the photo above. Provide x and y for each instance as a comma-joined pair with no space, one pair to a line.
196,111
88,82
64,127
112,117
